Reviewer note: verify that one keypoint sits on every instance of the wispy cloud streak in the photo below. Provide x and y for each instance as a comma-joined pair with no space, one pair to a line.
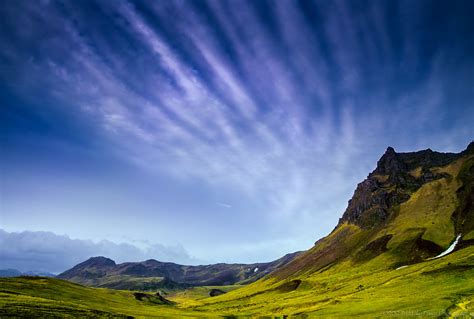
288,103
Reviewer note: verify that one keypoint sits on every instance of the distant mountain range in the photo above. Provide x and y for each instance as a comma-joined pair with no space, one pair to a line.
15,273
153,275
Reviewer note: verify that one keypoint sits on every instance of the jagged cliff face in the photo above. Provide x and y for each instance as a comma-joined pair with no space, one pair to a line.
396,177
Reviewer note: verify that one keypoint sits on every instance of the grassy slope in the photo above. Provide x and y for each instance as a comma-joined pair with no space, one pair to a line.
48,297
331,280
152,284
432,286
190,295
430,208
429,288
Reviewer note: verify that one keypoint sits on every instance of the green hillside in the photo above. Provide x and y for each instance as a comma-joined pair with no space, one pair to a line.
54,298
430,289
382,260
355,269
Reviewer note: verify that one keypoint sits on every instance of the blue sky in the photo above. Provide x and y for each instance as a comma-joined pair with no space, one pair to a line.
214,131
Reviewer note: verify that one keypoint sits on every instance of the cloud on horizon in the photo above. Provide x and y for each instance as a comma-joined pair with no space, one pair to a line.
49,252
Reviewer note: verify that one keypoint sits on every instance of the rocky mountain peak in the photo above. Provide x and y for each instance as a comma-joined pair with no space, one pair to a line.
99,261
390,150
395,178
389,163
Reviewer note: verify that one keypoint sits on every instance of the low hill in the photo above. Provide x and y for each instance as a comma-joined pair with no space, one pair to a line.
152,275
37,297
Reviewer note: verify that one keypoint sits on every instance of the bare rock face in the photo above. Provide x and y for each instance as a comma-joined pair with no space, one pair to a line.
390,164
395,178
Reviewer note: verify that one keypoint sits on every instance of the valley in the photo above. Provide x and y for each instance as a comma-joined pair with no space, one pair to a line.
403,248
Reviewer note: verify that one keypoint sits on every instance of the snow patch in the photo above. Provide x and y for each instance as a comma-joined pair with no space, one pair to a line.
450,248
256,269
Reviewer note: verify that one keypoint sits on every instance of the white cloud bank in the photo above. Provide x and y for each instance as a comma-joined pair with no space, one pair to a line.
47,251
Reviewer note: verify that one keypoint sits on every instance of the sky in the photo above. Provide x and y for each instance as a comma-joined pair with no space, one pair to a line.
213,131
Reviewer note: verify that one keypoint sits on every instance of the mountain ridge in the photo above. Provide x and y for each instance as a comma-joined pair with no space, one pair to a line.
406,172
362,233
152,274
404,248
382,216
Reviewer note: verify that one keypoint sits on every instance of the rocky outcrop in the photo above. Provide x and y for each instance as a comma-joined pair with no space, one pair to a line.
216,292
395,178
155,298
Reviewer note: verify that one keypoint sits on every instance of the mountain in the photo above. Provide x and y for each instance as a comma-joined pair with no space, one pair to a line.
9,273
408,228
404,247
154,275
15,273
410,208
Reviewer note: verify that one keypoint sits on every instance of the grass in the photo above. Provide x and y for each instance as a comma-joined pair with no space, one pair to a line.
430,208
189,296
469,236
55,298
370,290
427,216
351,273
429,289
